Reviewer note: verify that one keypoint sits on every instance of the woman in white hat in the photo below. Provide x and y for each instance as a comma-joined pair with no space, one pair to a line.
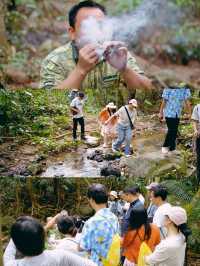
126,118
171,250
108,131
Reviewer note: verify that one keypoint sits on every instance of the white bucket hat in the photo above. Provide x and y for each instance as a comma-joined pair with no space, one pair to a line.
133,102
114,194
111,106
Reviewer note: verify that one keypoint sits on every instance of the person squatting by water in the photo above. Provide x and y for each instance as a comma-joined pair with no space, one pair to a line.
78,117
125,124
108,131
78,65
174,98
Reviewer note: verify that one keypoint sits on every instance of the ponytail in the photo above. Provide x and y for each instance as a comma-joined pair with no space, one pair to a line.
186,231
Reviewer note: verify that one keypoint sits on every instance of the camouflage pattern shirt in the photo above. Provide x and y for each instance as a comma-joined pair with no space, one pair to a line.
62,61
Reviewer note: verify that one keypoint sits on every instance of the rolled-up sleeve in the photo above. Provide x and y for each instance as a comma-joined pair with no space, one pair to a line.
132,63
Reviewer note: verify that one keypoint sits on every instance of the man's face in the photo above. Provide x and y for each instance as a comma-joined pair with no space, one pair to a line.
83,14
155,200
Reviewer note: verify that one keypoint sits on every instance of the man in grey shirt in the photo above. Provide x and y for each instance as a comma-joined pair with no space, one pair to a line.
28,237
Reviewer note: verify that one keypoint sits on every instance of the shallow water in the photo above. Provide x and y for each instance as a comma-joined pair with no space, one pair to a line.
76,164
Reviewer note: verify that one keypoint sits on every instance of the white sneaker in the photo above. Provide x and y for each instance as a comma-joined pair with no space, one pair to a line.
175,152
105,146
127,155
165,150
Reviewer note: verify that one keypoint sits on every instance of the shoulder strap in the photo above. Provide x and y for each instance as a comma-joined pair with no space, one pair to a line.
109,111
131,123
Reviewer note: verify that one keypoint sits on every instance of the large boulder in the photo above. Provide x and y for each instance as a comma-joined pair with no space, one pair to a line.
153,164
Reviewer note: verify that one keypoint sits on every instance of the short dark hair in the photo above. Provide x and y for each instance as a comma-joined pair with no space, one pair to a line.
66,225
28,236
74,10
160,191
132,190
81,94
98,193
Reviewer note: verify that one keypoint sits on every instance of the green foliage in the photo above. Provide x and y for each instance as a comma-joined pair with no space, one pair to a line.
33,113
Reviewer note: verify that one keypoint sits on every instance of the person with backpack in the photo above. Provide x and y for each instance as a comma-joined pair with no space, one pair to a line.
100,234
78,117
28,239
172,250
108,131
126,118
174,98
140,235
196,127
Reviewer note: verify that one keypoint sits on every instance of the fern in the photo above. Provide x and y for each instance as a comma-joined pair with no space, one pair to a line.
177,189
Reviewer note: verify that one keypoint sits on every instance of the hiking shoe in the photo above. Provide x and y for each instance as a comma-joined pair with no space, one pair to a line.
114,150
83,138
174,152
105,146
128,155
165,150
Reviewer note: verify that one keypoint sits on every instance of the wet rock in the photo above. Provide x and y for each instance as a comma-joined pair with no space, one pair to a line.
100,156
97,155
92,141
152,164
111,169
35,169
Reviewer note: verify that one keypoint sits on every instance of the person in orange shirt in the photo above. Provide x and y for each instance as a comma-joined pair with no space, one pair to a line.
139,230
108,131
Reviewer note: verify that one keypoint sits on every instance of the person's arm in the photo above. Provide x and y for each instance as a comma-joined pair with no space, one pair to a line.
51,223
110,118
161,254
9,254
71,259
88,59
195,127
162,106
135,80
188,108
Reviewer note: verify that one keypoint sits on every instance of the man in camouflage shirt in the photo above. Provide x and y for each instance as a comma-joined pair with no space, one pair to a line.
69,67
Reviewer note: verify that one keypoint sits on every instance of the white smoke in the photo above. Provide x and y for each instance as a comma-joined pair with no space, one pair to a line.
128,27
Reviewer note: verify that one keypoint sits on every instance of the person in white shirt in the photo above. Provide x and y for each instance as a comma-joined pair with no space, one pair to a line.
171,250
78,117
159,198
196,125
28,238
126,118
